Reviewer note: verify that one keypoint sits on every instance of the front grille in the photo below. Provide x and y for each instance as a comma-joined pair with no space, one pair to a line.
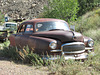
73,47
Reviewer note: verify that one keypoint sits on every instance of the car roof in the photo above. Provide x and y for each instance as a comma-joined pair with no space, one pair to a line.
42,20
10,23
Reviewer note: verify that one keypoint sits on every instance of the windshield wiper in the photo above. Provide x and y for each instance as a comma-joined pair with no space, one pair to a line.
56,29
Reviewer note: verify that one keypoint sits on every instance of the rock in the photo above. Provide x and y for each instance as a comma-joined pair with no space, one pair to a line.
22,8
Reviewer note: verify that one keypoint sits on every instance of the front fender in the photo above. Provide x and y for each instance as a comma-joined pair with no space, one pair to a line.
40,44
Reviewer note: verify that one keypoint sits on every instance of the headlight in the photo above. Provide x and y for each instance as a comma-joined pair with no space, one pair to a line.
53,45
90,43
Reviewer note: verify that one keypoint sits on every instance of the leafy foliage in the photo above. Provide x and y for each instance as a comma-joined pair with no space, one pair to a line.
28,56
1,17
90,20
10,52
61,9
68,10
85,5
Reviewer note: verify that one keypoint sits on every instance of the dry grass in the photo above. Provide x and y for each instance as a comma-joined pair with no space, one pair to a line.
10,68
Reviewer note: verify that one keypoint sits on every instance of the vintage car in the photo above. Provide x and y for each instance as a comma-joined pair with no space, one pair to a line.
10,26
1,27
46,36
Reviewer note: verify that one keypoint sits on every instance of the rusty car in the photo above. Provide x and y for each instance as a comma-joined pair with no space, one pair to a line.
47,36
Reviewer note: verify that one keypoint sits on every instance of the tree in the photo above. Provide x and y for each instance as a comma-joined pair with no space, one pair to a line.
85,6
62,9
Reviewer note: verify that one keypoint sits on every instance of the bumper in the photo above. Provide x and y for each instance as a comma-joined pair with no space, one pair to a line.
67,57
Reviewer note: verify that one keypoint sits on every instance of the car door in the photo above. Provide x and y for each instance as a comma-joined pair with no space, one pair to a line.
23,34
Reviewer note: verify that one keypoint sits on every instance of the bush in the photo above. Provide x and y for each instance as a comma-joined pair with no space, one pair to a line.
1,17
94,34
88,67
10,52
29,57
61,9
24,55
85,5
90,20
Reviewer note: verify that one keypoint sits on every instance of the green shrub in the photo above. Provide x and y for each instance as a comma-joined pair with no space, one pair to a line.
89,21
88,67
24,55
29,57
1,18
71,67
10,52
61,9
85,5
97,12
94,34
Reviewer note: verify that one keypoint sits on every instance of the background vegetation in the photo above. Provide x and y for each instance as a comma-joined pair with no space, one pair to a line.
61,9
1,18
68,10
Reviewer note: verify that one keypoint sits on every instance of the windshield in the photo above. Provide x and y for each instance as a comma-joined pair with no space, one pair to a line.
46,26
10,25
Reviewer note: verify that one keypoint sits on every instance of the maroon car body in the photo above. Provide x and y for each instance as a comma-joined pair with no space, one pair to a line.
53,37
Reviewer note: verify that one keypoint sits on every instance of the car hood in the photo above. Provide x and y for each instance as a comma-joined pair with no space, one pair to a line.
63,36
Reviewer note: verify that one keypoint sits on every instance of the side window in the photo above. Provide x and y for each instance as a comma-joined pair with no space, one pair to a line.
22,28
29,28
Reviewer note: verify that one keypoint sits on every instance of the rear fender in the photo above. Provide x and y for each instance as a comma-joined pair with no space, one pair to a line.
12,40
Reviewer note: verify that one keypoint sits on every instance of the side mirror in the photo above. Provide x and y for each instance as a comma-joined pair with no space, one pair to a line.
72,27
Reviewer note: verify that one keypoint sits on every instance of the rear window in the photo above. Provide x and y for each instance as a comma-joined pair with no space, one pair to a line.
10,25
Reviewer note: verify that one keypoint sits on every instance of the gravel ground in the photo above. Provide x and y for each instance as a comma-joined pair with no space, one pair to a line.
11,68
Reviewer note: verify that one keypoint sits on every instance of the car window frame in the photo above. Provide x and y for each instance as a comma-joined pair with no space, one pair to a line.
26,27
19,28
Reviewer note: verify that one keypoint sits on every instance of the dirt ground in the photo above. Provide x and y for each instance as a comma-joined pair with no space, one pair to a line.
8,67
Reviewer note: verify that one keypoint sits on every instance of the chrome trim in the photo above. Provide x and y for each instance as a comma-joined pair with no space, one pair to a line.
55,50
73,43
63,53
74,57
76,51
88,48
